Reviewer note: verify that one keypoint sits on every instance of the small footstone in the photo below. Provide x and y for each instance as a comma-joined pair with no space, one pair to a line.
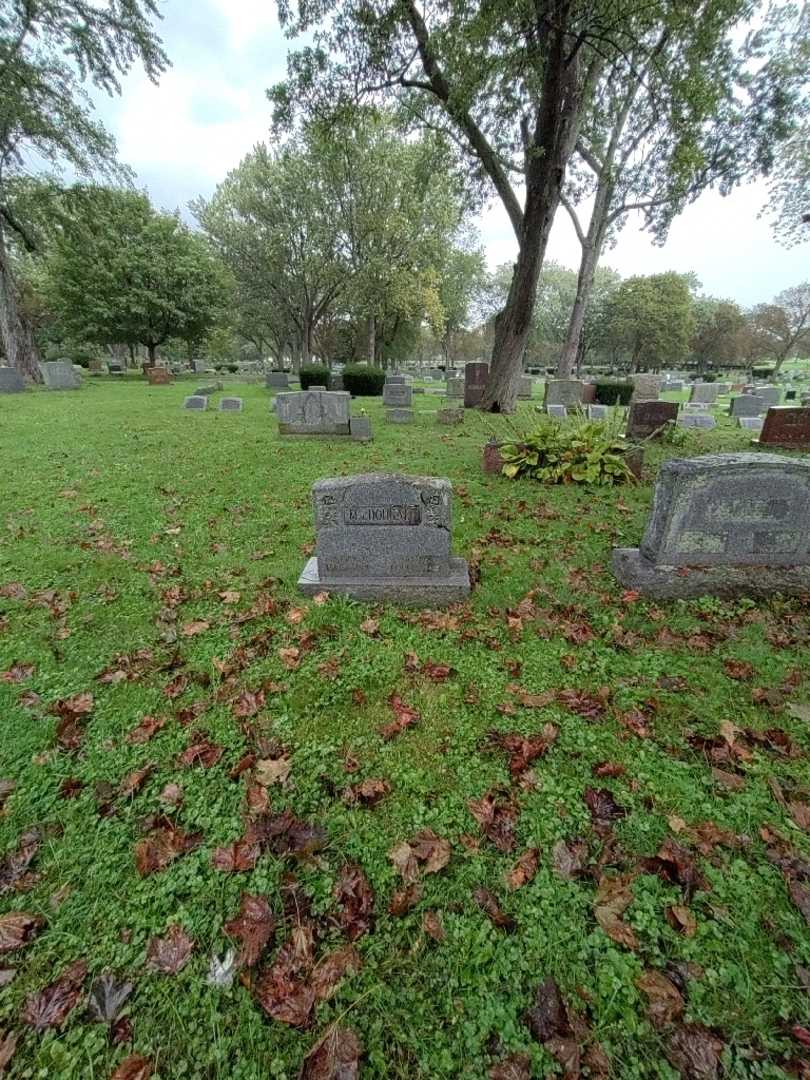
197,402
360,428
230,404
698,420
399,416
450,416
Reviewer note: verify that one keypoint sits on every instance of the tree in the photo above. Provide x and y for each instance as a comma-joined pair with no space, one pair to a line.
119,271
48,49
717,340
510,80
650,321
783,327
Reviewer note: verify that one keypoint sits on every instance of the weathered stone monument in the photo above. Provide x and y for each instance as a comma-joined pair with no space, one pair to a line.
525,387
59,375
398,401
598,412
704,393
196,402
751,423
360,428
787,426
385,536
698,420
566,392
230,404
747,405
450,416
556,412
649,418
158,376
314,413
771,395
11,381
455,388
475,382
396,380
646,387
724,525
277,380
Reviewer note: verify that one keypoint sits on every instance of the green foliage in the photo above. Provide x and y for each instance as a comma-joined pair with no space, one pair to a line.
314,375
650,320
362,380
614,393
578,451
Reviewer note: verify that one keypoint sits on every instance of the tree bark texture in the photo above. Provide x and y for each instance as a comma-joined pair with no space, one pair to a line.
16,331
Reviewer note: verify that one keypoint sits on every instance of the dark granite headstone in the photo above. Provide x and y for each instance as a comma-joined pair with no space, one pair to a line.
196,402
787,426
277,379
158,376
747,405
647,417
383,536
230,404
724,525
11,381
475,382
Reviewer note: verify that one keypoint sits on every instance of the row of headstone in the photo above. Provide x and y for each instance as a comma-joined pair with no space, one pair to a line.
199,403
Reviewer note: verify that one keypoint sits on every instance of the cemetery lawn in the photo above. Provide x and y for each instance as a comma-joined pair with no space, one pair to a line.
647,841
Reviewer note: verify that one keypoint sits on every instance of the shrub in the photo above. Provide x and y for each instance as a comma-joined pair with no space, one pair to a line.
578,452
363,381
614,393
314,375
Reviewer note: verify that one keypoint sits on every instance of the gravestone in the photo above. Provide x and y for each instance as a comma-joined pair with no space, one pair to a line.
589,393
675,384
771,395
525,387
59,375
698,420
747,405
11,381
360,428
336,382
117,367
316,386
704,393
384,536
399,416
450,416
646,387
598,412
566,392
158,376
455,388
397,395
314,412
714,519
696,406
418,389
230,404
396,380
752,423
787,426
723,388
95,366
199,367
196,402
648,417
277,380
557,412
475,381
206,391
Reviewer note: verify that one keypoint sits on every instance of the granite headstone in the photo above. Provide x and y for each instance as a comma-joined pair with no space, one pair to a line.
59,375
196,402
314,412
566,392
11,381
230,404
475,382
704,393
787,426
646,418
698,420
747,405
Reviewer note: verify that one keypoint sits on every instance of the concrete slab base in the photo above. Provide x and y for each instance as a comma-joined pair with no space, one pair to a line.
409,592
687,582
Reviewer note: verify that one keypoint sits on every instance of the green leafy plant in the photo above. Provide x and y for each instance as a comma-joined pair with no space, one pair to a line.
363,381
578,452
314,375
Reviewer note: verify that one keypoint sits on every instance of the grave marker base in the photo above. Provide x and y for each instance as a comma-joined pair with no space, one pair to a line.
683,583
428,591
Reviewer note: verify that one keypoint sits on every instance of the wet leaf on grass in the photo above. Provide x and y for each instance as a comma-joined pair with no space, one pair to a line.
523,750
171,796
568,858
405,717
235,858
680,918
170,953
8,1045
271,771
366,792
18,928
675,864
524,869
800,895
403,900
738,669
7,975
17,673
336,1056
497,816
252,928
695,1052
488,903
148,727
664,1000
603,807
332,969
613,897
107,997
135,1067
134,781
14,872
163,845
203,753
513,1067
195,627
50,1007
432,925
354,895
282,992
426,853
249,703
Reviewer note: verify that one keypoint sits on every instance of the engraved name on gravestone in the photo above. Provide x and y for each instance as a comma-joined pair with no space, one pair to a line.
787,426
385,536
314,412
647,417
716,517
11,382
475,382
196,402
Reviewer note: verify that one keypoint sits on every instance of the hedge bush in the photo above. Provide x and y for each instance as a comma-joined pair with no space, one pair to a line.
614,393
314,375
363,381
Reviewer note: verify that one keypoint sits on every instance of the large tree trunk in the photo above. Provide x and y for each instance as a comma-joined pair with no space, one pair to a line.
371,339
16,331
568,357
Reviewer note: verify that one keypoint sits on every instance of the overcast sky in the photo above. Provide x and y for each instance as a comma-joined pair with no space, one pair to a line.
183,136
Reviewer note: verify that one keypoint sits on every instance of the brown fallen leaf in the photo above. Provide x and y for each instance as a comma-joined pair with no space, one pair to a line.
695,1052
195,627
497,815
134,781
336,1056
290,658
366,792
252,927
800,812
8,1045
738,669
524,869
603,807
354,895
18,928
405,717
513,1067
403,900
568,859
680,918
203,753
235,858
51,1006
170,953
271,771
172,795
332,969
161,847
674,863
108,995
147,728
370,627
488,903
800,895
613,897
17,673
432,925
664,1000
135,1067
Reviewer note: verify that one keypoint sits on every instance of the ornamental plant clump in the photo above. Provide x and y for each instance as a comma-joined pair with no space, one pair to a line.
579,451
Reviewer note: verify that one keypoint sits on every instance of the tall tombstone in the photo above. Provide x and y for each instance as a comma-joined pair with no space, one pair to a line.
314,412
704,393
455,388
648,419
475,382
525,387
724,525
646,387
567,392
385,536
787,426
747,405
59,375
11,381
279,380
771,395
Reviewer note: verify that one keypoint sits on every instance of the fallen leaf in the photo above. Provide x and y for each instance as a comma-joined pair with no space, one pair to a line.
18,928
354,895
738,669
8,1044
674,863
50,1007
548,1016
513,1067
197,626
488,903
7,975
203,753
497,816
290,658
603,807
524,869
170,953
230,596
271,771
403,900
235,858
366,792
799,711
568,859
405,717
336,1056
664,1000
730,781
249,703
172,795
332,969
800,812
252,928
800,895
17,673
107,997
135,1067
613,897
134,781
695,1052
147,728
432,925
163,845
370,627
680,918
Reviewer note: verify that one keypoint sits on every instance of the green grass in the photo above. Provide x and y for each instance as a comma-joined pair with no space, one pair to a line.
113,495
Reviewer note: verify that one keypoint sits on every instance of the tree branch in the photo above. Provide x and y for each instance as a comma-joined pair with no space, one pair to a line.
573,215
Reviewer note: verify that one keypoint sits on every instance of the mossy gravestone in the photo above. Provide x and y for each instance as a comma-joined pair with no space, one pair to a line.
724,525
315,413
11,382
385,536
